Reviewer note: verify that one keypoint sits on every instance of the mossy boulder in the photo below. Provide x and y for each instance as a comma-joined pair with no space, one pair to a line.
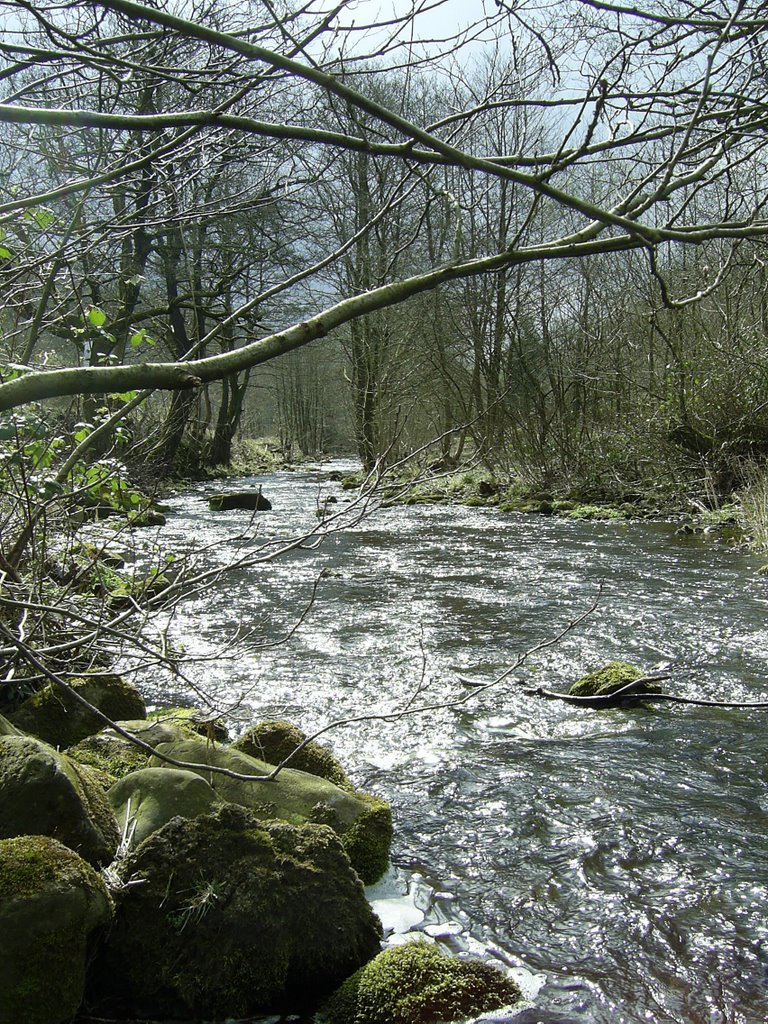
236,917
51,905
42,792
417,984
53,715
8,728
192,719
109,754
607,680
146,800
364,823
273,740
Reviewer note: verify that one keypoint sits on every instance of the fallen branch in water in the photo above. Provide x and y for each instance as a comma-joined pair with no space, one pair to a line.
629,695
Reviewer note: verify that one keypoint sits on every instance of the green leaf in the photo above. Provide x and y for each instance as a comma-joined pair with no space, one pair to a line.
43,216
97,316
5,254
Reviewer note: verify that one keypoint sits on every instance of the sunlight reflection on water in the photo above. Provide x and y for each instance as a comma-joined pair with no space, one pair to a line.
621,855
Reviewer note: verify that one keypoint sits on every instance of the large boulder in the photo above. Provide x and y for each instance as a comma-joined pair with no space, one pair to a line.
252,501
235,917
363,822
55,716
146,800
42,792
417,984
274,739
51,904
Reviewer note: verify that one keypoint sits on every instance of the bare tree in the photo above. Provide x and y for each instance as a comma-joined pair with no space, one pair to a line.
668,100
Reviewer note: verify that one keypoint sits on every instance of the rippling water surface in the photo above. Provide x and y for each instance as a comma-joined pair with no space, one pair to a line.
618,858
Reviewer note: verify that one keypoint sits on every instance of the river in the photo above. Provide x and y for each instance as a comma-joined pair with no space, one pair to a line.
617,860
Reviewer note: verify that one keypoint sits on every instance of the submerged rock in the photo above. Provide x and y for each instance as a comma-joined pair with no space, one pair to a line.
51,903
417,984
609,679
273,740
253,501
146,800
363,822
53,715
43,793
236,917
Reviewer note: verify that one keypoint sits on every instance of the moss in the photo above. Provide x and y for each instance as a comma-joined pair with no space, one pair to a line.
607,680
273,740
52,715
417,984
595,512
294,796
369,839
43,793
112,757
149,798
235,917
192,719
51,903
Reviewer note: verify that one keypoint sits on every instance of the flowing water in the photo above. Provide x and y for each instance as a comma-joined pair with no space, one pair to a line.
617,860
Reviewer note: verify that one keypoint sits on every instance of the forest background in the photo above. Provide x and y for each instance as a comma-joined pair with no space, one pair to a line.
535,231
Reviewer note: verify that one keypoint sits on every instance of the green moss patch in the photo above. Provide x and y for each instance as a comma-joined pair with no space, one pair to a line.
236,917
51,904
417,984
43,793
272,741
110,755
53,715
296,797
607,680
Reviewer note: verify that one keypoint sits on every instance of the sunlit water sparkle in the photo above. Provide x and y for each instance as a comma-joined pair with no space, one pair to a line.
620,858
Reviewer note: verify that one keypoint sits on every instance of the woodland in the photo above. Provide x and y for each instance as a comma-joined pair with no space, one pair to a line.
524,238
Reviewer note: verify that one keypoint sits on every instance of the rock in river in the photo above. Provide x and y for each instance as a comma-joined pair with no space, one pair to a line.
58,718
364,822
51,904
236,917
42,792
417,984
253,501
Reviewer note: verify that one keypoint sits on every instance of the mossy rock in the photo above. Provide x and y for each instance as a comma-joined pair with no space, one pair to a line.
363,823
53,715
51,905
194,719
417,984
273,740
253,501
236,917
146,800
42,792
110,755
155,731
8,728
609,679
